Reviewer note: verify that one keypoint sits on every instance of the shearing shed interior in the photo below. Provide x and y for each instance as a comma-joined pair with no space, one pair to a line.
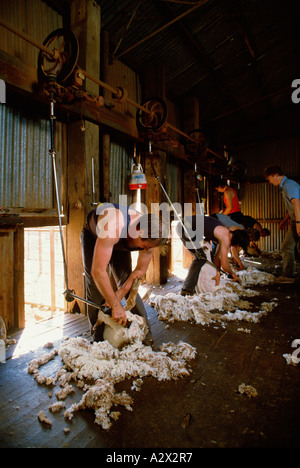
114,110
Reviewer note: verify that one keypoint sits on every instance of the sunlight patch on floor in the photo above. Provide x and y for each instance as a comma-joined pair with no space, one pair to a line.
33,336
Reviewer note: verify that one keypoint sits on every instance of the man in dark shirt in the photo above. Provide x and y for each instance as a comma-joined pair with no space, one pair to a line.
110,234
213,230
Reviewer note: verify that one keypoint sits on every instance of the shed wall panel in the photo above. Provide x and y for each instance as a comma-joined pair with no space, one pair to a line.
264,202
26,170
284,152
32,17
260,199
120,168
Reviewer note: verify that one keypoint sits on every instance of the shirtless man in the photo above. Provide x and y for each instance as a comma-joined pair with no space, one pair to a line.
109,236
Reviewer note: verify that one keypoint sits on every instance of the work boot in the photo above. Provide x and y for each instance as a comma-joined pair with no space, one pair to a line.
185,292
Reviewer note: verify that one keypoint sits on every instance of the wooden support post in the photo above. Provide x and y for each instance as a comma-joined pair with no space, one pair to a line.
52,270
191,122
190,199
76,188
155,86
83,145
105,176
158,269
12,285
104,66
19,301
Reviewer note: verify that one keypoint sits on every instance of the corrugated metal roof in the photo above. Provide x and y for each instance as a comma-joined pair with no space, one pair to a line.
238,57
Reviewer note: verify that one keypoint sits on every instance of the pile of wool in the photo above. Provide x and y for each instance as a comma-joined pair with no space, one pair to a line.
58,406
97,367
201,308
43,419
118,335
291,359
103,361
35,364
251,276
106,365
41,361
137,329
248,390
101,397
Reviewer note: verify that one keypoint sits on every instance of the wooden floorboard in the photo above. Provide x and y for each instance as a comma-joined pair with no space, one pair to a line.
220,416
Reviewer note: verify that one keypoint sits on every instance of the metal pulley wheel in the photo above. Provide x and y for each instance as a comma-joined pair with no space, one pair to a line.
62,62
153,115
121,95
196,145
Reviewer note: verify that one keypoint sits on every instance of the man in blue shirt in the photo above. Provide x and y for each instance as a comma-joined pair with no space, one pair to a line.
291,195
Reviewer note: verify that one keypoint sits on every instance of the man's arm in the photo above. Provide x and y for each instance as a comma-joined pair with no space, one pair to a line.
109,226
102,255
235,254
284,222
142,264
221,258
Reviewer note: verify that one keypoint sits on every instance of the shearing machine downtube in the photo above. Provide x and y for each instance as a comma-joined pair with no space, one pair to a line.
197,253
68,293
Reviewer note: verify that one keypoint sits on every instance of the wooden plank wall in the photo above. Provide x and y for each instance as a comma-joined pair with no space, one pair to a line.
12,276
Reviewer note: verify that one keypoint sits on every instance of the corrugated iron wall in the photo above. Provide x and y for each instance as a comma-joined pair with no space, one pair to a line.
121,159
264,202
26,174
260,199
284,152
121,154
32,17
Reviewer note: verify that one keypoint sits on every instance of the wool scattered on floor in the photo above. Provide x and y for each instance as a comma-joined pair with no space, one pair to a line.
97,367
225,304
290,359
248,390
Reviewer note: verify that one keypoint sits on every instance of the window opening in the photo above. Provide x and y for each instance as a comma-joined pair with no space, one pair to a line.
44,274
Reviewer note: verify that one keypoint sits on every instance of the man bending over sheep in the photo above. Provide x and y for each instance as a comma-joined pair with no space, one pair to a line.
111,232
214,231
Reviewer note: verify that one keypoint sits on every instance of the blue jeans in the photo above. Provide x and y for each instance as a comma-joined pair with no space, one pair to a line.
191,280
288,251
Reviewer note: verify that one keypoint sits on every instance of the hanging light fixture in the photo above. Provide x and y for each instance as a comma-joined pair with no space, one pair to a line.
137,177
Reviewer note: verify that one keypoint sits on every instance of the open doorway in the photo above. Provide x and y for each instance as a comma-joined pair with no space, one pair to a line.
44,274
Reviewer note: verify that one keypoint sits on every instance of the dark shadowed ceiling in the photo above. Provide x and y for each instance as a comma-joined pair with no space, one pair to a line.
238,57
